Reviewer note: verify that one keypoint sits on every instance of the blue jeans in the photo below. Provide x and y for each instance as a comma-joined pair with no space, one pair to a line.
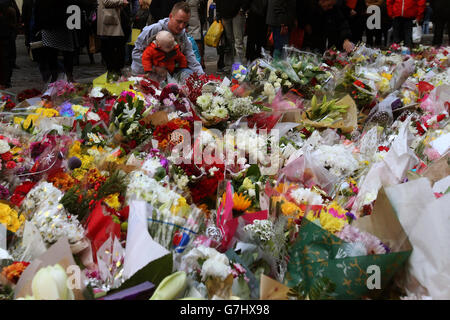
426,27
279,41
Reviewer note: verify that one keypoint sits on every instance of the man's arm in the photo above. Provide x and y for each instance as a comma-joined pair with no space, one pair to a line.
140,45
192,62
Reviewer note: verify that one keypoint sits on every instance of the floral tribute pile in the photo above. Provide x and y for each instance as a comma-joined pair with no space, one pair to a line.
288,181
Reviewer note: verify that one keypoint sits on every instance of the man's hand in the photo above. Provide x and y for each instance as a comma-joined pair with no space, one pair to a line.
125,2
348,46
353,13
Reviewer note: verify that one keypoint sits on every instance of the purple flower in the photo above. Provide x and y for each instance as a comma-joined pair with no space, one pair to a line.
164,162
350,215
4,192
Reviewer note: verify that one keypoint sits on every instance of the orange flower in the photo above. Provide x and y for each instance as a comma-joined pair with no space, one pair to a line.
14,271
283,187
240,202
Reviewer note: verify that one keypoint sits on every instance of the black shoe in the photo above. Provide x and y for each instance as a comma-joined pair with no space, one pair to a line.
16,66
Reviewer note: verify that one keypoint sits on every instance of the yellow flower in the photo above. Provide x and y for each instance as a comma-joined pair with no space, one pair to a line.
247,184
330,223
18,120
181,207
113,201
30,121
240,202
75,149
387,76
79,110
10,218
47,112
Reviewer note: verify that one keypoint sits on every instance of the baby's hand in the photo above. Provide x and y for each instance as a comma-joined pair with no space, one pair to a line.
161,71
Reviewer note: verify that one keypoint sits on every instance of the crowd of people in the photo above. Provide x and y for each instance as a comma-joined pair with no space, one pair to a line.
249,26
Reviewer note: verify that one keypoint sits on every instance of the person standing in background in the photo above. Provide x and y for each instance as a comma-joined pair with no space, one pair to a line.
427,18
256,28
404,12
281,16
355,10
374,33
7,19
51,19
441,18
160,9
197,23
14,33
232,14
325,26
114,29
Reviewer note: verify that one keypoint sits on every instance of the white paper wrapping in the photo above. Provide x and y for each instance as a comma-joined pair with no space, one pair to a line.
141,249
426,221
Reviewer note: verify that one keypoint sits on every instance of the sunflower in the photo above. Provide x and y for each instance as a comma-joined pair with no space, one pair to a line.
240,203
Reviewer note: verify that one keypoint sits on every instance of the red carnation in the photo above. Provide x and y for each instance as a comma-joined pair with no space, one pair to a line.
10,165
7,156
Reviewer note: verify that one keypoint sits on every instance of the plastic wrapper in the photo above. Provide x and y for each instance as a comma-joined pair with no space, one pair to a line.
401,73
306,171
347,124
437,101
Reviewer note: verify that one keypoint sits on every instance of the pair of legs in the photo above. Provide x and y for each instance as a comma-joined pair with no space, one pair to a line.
256,36
48,63
279,41
403,30
439,27
5,63
113,54
234,30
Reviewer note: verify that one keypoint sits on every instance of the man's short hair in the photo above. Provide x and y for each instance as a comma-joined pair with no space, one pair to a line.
181,6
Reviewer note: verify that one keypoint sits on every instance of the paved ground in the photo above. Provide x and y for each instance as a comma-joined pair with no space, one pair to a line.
28,76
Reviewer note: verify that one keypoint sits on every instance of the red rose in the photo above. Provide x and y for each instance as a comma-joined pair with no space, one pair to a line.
7,156
10,165
17,199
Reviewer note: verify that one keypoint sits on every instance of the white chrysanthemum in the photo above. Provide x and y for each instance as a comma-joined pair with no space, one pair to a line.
338,158
218,101
220,112
204,100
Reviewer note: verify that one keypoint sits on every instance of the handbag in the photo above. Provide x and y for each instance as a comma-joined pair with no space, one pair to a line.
417,33
214,34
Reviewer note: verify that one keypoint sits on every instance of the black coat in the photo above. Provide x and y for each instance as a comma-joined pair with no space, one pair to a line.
160,9
330,25
281,12
52,14
227,9
441,9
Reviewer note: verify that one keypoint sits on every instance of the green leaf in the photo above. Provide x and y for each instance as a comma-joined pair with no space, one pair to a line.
253,171
154,272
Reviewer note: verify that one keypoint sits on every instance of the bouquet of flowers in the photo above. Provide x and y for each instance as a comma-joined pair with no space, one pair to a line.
127,119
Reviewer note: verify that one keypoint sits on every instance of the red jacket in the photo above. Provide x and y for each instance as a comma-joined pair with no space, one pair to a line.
406,8
153,56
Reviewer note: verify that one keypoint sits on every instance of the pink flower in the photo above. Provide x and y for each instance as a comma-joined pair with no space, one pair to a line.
432,154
